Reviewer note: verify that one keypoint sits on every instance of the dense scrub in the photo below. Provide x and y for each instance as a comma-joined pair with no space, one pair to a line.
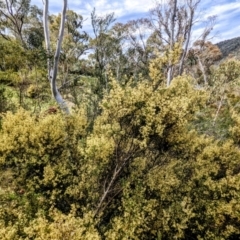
138,171
135,159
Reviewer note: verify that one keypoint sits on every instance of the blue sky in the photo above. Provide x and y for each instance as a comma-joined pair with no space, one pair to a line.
227,11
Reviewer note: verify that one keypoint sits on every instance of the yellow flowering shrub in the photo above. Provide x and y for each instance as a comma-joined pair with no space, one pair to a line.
158,64
43,152
139,171
62,227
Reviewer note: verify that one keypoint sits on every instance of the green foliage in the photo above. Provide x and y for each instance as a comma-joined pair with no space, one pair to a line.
139,173
227,71
223,97
62,227
11,55
43,160
145,162
229,47
4,102
158,64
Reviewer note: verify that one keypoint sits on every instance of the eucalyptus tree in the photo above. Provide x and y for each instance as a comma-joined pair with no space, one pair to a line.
116,55
53,62
120,48
33,32
138,51
101,44
74,44
203,55
13,16
172,22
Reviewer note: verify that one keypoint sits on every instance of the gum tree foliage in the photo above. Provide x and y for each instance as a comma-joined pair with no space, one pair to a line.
172,22
11,54
137,52
74,45
169,24
13,17
33,31
201,57
117,58
102,45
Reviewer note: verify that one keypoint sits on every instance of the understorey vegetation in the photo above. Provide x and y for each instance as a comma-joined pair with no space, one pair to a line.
149,146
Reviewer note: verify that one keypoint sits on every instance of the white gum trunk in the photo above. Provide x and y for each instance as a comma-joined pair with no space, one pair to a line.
53,65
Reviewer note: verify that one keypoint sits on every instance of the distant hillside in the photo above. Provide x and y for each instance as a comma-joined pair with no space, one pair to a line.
231,46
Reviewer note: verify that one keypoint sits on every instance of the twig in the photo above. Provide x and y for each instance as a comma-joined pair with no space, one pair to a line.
219,107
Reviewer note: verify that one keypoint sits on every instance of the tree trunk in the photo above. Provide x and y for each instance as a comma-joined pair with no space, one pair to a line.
172,37
192,7
203,71
53,66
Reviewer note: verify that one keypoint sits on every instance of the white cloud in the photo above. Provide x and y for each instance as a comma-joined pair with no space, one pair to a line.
120,8
225,10
138,6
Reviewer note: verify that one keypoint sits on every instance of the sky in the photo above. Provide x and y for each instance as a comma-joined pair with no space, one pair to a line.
227,23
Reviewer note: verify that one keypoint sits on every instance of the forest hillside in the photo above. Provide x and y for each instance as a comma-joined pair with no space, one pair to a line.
230,47
137,139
